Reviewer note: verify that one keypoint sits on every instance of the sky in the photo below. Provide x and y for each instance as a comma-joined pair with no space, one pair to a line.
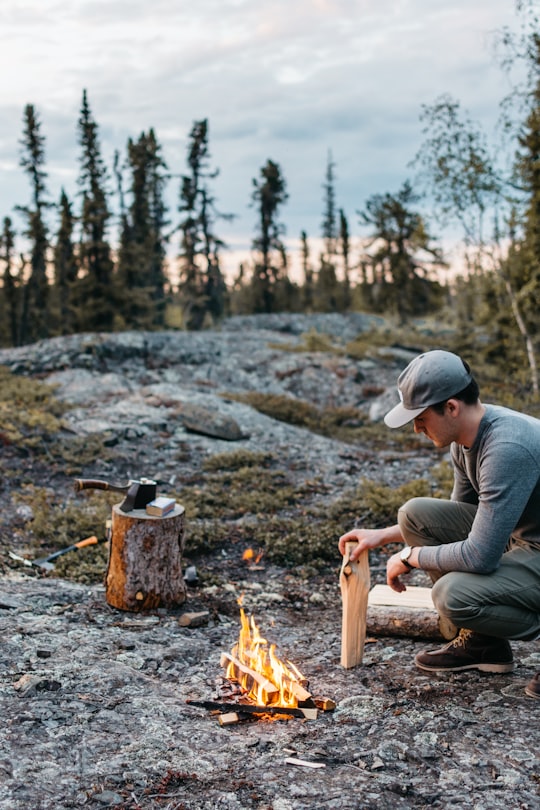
287,80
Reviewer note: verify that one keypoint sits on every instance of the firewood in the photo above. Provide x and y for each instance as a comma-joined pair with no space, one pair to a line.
252,708
354,583
403,623
228,719
194,619
266,690
325,704
305,763
410,614
296,689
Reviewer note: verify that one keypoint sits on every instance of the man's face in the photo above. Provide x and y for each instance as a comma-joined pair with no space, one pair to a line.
440,428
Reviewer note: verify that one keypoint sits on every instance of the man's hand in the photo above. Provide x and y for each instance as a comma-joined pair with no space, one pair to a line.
395,569
369,538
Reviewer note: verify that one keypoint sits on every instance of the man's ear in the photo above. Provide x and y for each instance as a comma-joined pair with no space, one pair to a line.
453,406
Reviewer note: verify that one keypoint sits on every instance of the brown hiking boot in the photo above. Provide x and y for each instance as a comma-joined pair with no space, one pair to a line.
533,687
469,651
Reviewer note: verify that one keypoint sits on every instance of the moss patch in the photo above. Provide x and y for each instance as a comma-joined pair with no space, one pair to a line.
29,412
295,526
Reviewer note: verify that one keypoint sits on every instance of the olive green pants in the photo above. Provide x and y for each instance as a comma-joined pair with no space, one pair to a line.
505,603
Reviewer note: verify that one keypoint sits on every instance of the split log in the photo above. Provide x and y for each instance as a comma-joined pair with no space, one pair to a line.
229,719
145,560
296,689
325,704
249,679
410,614
354,583
305,763
194,619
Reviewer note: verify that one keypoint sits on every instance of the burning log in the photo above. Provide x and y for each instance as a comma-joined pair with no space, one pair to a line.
295,688
265,690
251,708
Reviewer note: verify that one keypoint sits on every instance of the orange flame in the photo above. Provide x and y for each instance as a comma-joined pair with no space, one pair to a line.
249,556
254,652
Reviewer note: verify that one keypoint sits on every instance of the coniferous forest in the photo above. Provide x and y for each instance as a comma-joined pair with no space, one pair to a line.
163,268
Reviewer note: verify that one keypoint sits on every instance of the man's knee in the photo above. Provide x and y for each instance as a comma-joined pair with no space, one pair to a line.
449,597
412,520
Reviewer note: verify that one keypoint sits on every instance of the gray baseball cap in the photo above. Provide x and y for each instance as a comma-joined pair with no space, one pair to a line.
429,378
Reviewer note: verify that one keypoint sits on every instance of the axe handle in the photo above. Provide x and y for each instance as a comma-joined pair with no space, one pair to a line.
88,541
91,483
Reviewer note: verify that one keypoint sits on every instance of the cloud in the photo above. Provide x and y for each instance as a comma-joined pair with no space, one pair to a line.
276,79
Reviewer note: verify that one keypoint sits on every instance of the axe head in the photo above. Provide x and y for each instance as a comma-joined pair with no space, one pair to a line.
139,494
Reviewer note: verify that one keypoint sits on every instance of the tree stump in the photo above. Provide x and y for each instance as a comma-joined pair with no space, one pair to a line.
145,560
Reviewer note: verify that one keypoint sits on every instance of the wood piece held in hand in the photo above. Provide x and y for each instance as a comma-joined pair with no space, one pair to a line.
354,582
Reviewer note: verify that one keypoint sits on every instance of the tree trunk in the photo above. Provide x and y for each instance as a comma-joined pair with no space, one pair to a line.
145,560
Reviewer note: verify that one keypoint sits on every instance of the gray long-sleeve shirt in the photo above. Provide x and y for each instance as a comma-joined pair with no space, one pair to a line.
500,473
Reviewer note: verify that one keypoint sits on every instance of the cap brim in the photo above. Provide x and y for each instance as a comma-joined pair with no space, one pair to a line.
399,416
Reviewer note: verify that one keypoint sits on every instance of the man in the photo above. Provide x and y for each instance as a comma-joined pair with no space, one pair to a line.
482,547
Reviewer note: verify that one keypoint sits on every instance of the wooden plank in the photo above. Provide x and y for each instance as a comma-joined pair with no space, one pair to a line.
354,582
413,597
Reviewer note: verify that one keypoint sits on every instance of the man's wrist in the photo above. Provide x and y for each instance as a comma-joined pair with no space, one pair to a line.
409,557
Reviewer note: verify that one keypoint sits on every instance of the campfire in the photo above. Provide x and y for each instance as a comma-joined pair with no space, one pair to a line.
254,665
258,682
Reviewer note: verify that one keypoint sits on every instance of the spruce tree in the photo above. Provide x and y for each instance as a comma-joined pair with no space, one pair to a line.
97,300
35,315
66,268
308,274
141,274
344,241
268,196
10,287
201,287
329,224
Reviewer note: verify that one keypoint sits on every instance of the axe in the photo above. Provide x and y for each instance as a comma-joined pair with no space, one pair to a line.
138,493
45,562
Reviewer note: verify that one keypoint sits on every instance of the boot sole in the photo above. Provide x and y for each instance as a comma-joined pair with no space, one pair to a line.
494,668
531,693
